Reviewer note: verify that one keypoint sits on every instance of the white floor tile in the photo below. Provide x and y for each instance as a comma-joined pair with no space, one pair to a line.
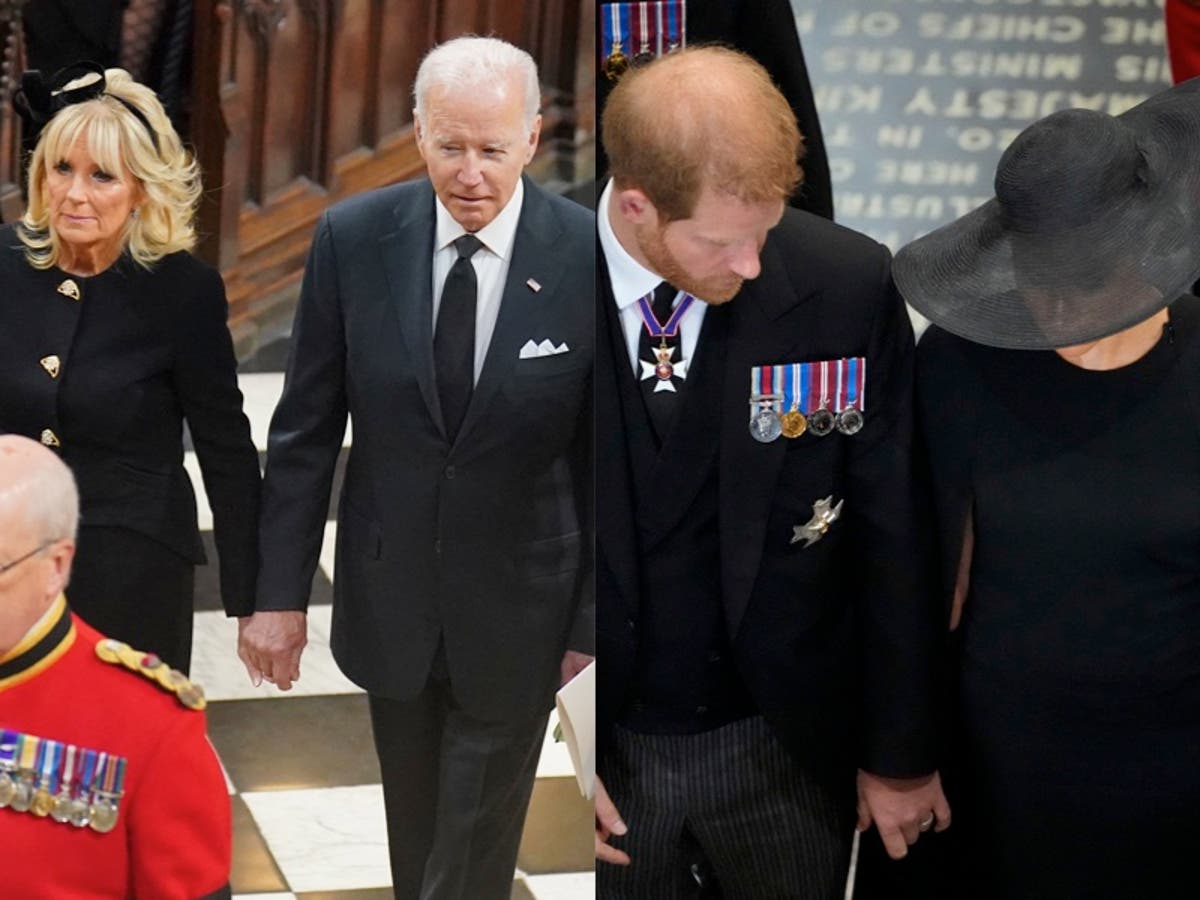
567,886
555,760
260,393
216,667
229,785
328,547
323,840
204,517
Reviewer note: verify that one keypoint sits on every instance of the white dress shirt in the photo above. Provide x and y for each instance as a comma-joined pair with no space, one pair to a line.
631,281
491,262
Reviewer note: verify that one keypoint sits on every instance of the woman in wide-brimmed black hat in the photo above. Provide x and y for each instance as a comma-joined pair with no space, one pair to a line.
1059,394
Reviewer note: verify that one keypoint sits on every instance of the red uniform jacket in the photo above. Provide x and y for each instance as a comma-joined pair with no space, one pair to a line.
172,838
1183,38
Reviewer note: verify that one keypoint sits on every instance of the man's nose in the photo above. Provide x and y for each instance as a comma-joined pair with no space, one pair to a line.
745,261
469,172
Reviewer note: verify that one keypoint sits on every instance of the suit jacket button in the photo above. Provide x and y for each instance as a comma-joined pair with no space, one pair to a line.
450,473
631,625
701,710
714,656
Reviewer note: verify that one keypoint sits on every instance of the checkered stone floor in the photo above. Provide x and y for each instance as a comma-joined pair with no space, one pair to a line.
303,777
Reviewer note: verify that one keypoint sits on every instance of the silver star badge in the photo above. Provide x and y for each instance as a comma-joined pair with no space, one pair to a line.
824,515
663,369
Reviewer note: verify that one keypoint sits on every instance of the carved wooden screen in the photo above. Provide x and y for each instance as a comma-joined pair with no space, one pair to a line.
298,103
12,63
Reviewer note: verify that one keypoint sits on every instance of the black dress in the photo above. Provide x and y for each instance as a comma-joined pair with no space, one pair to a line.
1076,764
107,372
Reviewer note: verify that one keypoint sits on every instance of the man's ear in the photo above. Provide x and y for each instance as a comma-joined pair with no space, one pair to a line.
635,207
534,134
419,134
61,555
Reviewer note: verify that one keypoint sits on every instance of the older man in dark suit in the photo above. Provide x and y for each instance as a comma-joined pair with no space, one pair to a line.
765,624
452,318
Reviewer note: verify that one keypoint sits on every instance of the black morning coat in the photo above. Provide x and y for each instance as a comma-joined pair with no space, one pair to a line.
836,641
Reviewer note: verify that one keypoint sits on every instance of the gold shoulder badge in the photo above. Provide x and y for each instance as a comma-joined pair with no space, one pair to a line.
150,666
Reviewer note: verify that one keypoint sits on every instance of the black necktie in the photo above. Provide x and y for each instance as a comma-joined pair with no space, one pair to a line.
661,404
454,336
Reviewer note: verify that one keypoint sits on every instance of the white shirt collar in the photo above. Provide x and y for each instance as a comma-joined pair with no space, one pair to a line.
497,235
629,278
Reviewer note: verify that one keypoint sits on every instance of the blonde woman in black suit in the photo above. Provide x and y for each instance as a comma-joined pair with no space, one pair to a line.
112,336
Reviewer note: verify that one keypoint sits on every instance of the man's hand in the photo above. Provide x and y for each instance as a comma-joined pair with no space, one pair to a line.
573,662
901,809
608,822
270,643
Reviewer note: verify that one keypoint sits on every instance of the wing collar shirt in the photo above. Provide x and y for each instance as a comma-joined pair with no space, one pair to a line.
491,264
631,281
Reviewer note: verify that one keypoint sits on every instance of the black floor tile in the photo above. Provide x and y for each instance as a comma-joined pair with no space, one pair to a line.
297,742
254,869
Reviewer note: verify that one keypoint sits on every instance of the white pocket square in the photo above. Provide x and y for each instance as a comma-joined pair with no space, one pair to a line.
533,350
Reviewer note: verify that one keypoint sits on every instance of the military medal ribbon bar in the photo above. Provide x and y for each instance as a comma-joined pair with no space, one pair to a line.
814,396
614,28
636,33
766,396
8,766
69,784
27,750
50,755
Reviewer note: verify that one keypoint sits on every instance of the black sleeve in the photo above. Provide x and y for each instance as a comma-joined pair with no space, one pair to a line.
898,606
583,454
205,375
305,437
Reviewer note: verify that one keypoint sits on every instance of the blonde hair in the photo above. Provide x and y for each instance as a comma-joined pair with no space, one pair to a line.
701,116
168,176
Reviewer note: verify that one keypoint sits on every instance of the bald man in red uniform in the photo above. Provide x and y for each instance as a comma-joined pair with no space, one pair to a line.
108,784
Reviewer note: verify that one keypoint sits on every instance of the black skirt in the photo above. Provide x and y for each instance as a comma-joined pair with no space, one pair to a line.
132,588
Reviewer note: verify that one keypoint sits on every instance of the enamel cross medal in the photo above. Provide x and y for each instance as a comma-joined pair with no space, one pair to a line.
662,367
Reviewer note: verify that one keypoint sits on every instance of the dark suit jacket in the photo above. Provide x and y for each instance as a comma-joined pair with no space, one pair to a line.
139,353
834,641
765,30
486,542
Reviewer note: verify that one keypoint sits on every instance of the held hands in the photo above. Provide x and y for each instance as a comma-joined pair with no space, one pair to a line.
901,809
608,822
270,643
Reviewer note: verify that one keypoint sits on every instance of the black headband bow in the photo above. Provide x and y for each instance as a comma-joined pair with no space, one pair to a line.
39,99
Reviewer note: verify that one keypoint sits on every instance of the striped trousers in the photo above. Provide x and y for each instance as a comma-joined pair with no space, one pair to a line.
729,805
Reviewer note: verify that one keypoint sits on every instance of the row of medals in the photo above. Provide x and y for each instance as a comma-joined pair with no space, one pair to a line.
97,809
770,422
618,63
